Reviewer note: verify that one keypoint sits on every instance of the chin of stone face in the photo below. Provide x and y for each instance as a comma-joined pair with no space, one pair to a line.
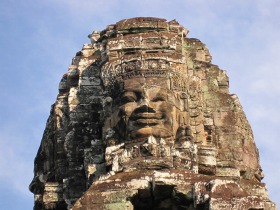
144,120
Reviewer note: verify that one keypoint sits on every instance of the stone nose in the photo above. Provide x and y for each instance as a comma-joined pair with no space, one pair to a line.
144,98
143,109
144,101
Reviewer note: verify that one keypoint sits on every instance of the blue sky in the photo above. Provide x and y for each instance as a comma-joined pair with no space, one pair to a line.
39,38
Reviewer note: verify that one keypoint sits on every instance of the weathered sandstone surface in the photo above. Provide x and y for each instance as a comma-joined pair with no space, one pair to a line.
144,120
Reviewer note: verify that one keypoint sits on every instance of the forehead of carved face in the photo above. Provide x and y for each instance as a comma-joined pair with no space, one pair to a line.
148,108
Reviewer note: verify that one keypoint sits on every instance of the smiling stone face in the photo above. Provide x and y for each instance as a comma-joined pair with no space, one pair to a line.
144,102
148,107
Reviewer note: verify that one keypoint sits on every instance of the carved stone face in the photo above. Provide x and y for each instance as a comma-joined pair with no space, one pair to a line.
147,106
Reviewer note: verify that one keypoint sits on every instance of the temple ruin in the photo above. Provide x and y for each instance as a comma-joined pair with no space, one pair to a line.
144,120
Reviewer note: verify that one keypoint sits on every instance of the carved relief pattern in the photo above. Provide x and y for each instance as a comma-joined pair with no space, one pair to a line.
144,120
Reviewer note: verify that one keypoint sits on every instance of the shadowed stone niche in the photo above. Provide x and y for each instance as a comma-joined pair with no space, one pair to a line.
144,120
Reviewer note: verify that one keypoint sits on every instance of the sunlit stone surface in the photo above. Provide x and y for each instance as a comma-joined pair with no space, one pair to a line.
144,120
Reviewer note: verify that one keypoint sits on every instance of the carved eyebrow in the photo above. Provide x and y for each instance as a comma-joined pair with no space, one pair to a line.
132,89
137,92
160,96
128,96
129,93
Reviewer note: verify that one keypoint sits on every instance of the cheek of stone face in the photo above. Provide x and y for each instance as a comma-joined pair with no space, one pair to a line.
166,108
168,117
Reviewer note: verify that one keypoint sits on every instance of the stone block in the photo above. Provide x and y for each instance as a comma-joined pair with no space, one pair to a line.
227,172
144,120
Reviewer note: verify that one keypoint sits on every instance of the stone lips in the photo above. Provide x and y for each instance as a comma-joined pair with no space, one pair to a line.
88,158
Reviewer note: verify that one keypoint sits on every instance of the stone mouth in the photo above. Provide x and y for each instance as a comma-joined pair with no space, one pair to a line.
146,122
147,115
146,119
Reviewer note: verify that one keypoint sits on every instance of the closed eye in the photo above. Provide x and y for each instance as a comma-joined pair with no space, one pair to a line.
128,97
158,98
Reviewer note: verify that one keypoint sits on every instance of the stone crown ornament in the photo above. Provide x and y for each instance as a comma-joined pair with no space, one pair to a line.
144,120
131,53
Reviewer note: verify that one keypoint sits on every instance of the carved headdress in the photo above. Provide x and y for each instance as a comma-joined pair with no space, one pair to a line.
137,48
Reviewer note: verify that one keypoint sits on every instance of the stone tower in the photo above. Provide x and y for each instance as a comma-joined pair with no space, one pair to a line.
144,120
